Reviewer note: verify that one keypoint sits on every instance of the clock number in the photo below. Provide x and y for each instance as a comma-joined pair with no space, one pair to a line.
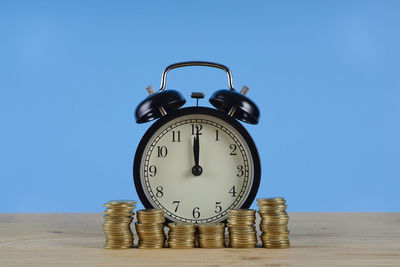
240,171
152,170
218,207
162,151
233,191
216,135
176,136
233,147
176,202
159,193
196,213
196,128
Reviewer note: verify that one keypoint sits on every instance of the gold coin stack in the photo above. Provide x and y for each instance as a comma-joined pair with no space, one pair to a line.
117,226
182,235
274,221
211,235
242,233
150,228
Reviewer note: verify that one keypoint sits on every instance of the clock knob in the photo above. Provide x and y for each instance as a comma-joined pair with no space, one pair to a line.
236,105
158,104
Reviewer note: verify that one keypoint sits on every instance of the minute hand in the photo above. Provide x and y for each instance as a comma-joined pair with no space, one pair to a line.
196,170
196,150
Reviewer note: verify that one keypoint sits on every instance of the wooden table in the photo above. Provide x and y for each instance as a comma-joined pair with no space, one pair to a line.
318,239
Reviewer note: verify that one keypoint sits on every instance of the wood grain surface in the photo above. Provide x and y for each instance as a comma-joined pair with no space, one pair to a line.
318,239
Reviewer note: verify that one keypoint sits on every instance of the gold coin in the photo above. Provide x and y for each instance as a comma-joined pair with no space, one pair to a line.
121,202
177,242
152,242
242,245
149,226
211,236
274,229
242,239
181,225
276,245
241,221
238,216
212,230
120,207
151,239
211,224
146,231
275,242
276,233
186,244
150,216
211,244
181,247
215,238
181,238
242,227
151,247
272,199
182,230
270,220
121,213
150,211
244,222
247,243
272,208
241,217
241,211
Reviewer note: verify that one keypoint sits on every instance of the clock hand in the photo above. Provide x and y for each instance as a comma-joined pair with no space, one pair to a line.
196,150
196,170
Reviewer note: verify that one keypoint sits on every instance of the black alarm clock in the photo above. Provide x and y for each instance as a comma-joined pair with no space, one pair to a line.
197,163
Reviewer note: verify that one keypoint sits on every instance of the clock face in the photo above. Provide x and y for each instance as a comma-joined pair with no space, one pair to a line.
166,163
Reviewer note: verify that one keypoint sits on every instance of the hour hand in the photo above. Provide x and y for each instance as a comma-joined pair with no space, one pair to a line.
196,170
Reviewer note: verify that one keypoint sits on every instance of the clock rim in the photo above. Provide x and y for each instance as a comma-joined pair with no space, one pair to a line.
187,111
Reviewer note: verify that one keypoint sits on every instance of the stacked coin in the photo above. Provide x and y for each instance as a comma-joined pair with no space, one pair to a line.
150,228
182,235
211,235
274,221
117,227
242,233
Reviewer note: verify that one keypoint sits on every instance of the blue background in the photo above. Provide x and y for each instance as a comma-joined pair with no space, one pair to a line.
325,75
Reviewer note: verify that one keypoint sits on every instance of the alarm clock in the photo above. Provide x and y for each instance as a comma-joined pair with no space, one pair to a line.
197,163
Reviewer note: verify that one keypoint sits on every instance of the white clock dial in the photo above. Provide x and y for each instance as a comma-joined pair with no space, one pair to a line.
168,158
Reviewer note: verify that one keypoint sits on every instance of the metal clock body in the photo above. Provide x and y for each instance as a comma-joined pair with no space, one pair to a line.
196,164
